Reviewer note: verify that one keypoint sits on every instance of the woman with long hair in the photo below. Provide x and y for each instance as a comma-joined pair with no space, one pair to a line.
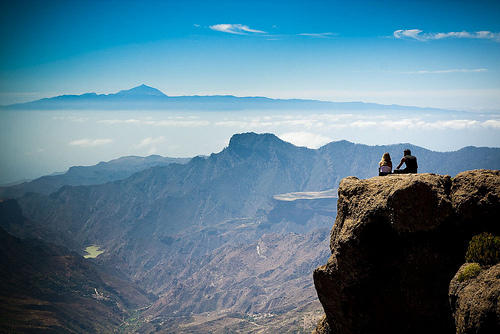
385,165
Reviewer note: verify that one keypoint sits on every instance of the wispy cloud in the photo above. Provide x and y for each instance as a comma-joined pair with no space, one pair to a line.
70,118
492,123
150,141
149,144
408,33
299,130
317,34
363,124
174,122
120,121
418,123
454,70
455,124
421,36
85,142
237,29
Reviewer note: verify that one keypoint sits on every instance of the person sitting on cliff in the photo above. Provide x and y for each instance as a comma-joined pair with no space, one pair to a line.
385,165
410,161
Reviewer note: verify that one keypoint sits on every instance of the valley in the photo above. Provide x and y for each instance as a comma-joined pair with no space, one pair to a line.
226,242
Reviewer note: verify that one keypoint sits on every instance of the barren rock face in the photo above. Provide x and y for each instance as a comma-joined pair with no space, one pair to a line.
476,200
475,302
396,244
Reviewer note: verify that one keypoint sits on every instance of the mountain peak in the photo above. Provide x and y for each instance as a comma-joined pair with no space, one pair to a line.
142,90
249,139
246,144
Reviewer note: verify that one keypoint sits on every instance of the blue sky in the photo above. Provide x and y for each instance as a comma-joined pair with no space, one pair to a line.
444,54
423,53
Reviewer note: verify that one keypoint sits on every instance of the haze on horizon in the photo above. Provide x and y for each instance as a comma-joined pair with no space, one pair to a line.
429,54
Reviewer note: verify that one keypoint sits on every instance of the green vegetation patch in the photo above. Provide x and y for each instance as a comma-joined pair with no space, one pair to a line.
470,271
484,249
93,252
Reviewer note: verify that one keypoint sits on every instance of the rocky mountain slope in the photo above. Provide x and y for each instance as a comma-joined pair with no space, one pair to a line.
253,277
103,172
235,183
47,288
396,244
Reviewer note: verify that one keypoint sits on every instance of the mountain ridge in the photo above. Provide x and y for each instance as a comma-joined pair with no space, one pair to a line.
236,182
102,172
144,97
166,227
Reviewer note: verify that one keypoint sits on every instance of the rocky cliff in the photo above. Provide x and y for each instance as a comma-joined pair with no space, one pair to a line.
396,244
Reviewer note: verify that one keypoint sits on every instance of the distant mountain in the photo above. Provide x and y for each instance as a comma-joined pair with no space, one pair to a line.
144,97
140,91
103,172
47,288
173,228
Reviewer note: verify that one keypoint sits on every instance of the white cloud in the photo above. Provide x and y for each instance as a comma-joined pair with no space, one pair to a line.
85,142
306,123
308,139
421,36
455,70
173,122
363,124
416,123
119,121
266,122
149,141
237,29
456,124
246,124
318,34
178,123
150,144
70,118
229,123
492,123
324,122
398,124
411,33
369,122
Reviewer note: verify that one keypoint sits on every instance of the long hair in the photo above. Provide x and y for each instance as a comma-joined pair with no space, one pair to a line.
386,160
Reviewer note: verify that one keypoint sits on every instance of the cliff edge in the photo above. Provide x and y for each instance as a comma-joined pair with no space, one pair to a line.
396,244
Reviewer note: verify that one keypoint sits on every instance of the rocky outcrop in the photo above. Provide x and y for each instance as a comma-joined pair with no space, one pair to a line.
396,244
475,301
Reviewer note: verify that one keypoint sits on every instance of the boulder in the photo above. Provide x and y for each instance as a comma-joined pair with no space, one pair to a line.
475,301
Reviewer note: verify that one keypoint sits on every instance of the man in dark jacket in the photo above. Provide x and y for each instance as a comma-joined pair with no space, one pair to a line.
410,161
